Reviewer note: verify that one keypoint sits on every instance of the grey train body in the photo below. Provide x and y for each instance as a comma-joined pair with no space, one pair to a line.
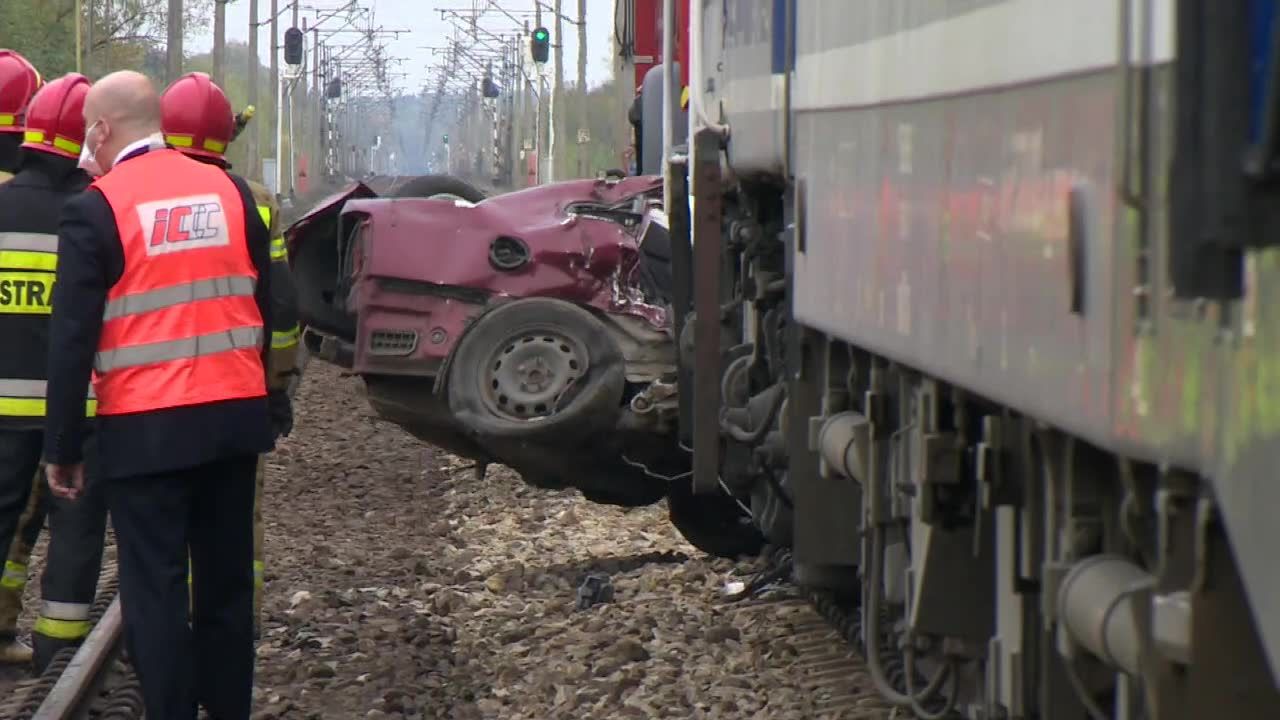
943,231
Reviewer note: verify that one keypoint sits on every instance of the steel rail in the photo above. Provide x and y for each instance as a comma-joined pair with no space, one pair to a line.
77,687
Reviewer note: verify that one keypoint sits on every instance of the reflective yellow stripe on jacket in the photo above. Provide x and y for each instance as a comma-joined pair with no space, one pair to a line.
285,331
278,251
287,338
26,398
28,262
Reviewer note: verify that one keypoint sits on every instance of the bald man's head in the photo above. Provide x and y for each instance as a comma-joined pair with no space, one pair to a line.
126,108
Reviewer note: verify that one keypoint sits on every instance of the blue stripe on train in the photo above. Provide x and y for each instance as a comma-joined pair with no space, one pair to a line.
784,37
1262,15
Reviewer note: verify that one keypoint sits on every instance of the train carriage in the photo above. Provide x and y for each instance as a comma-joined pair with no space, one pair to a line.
972,301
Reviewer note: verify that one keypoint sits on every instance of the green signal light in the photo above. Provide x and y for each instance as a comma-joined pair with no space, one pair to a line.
540,45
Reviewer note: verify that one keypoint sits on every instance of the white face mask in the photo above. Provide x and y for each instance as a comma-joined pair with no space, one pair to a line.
89,158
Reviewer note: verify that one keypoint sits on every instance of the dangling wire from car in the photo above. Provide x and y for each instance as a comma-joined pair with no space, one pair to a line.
655,475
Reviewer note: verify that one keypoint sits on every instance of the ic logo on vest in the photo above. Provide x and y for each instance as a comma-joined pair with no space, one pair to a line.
183,223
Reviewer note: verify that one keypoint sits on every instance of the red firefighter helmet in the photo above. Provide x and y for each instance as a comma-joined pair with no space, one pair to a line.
19,81
55,117
196,117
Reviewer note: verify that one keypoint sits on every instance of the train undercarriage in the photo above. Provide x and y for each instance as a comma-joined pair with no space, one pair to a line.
971,299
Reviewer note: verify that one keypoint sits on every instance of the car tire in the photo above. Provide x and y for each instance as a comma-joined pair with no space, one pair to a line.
579,366
427,186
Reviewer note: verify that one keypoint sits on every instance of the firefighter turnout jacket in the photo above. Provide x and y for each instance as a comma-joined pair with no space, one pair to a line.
30,204
13,578
282,361
181,326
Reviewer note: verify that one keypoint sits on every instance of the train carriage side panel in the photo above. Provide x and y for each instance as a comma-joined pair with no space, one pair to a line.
747,89
940,144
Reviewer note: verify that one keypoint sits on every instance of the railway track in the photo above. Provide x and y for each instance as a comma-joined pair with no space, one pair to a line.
831,672
92,681
827,635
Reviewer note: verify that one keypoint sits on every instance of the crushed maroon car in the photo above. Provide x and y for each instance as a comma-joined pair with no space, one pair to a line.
529,329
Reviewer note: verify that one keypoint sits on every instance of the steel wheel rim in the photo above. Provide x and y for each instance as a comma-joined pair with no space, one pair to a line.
529,373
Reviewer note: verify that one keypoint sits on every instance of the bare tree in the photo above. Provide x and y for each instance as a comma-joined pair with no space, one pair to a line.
145,21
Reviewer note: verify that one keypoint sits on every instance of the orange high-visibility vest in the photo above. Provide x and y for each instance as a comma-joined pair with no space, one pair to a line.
180,326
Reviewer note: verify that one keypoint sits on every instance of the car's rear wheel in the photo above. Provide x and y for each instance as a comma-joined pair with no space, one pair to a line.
537,370
443,187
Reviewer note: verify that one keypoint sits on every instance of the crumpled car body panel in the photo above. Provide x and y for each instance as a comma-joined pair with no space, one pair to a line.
421,268
389,288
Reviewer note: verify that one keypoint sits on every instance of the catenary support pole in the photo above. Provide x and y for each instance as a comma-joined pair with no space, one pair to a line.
277,111
293,103
219,41
555,123
582,85
255,156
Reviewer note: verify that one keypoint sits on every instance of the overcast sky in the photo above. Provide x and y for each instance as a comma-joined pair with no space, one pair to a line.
426,27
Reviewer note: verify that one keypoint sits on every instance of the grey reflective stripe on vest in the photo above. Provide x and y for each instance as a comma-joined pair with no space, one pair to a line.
211,344
64,610
28,389
219,287
34,242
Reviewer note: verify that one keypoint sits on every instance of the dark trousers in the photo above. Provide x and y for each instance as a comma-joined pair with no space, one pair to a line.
206,510
20,452
77,532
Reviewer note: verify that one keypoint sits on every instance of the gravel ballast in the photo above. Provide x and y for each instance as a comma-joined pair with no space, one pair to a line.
400,585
